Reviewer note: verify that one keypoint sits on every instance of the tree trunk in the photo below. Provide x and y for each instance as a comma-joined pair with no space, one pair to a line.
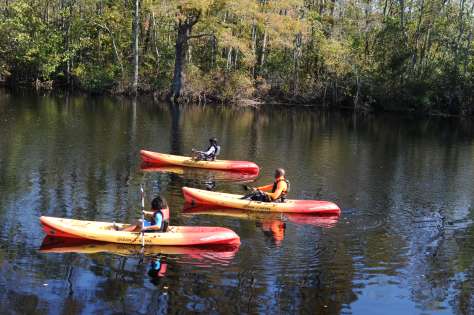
181,48
155,39
136,30
296,62
264,47
229,59
254,45
184,30
117,54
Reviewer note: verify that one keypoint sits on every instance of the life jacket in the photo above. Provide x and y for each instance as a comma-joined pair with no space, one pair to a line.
166,218
285,192
217,151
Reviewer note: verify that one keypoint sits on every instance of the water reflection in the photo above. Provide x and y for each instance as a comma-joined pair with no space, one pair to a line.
402,245
204,176
157,257
218,254
273,225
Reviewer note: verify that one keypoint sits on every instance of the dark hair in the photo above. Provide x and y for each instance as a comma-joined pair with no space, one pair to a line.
159,203
213,140
279,172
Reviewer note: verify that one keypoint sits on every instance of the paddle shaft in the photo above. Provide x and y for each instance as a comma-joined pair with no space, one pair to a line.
142,193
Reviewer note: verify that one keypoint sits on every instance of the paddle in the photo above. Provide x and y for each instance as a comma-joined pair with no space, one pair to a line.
251,190
142,192
247,188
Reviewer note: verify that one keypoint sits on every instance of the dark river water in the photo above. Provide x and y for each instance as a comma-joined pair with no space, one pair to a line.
402,245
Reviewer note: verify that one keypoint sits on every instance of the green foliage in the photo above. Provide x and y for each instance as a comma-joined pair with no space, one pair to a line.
362,54
31,49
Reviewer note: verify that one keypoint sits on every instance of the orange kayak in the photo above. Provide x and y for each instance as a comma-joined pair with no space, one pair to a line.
223,165
105,232
195,196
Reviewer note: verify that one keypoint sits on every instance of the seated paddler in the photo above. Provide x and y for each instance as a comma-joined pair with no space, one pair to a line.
156,220
210,153
274,192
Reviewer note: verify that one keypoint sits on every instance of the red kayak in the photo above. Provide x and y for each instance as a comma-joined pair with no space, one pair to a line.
223,165
195,196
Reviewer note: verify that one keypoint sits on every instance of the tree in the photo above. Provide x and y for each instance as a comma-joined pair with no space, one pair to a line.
136,31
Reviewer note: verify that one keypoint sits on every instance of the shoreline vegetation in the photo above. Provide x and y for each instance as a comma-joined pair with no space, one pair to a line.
383,55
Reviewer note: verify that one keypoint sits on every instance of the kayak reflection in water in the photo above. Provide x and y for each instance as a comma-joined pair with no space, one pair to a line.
274,229
275,192
210,154
156,220
157,271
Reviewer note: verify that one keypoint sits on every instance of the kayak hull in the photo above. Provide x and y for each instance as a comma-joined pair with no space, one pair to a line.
155,158
105,232
195,196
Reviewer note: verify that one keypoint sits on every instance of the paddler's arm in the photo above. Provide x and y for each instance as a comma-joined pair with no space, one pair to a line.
211,150
266,187
280,188
157,226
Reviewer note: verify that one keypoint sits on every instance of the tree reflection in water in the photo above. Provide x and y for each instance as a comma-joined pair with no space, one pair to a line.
401,245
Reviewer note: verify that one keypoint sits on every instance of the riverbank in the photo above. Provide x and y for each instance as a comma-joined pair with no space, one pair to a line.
242,102
345,103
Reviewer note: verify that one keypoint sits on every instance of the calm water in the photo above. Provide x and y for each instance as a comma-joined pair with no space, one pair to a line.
403,244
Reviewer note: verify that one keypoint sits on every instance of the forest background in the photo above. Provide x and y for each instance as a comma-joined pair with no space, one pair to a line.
408,55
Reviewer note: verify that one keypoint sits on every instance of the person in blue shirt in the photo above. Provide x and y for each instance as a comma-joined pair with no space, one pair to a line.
156,220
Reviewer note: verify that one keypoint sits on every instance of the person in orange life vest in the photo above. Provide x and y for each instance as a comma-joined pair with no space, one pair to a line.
275,192
156,220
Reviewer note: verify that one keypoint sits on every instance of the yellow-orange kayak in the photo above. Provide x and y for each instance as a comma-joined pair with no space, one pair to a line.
105,232
224,165
195,196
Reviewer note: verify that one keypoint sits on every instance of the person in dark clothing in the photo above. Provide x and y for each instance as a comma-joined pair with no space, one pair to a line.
210,154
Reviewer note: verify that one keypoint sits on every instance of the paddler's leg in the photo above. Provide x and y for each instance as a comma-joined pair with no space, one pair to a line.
257,195
137,227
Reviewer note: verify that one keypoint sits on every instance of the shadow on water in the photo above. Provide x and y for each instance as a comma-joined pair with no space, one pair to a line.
403,243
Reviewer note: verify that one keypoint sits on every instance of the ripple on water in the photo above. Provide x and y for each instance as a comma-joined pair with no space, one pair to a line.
363,220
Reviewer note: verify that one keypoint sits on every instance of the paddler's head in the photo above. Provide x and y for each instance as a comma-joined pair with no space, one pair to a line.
213,140
159,203
279,172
